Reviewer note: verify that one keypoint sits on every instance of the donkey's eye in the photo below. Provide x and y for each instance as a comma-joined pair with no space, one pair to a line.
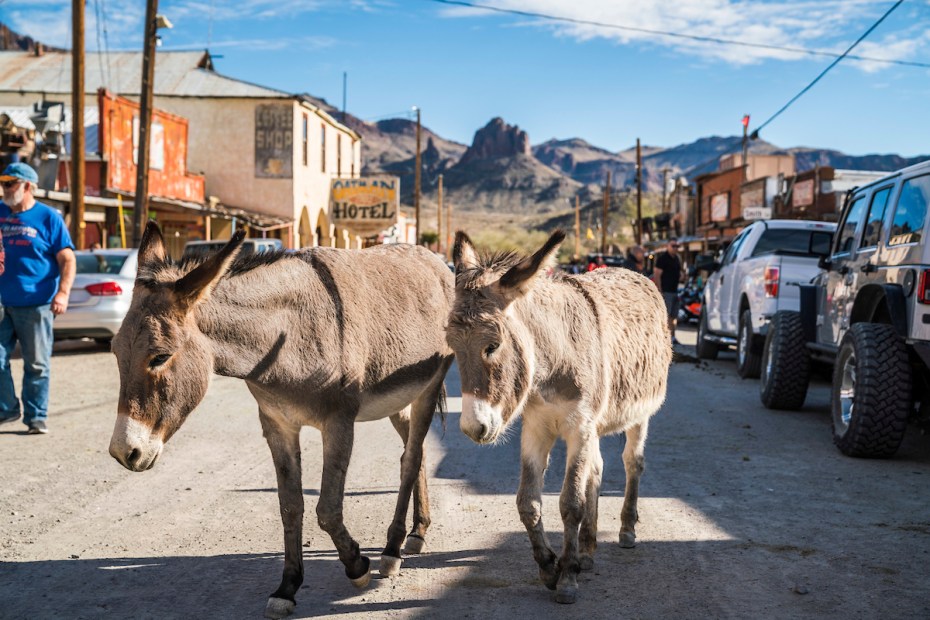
491,348
159,360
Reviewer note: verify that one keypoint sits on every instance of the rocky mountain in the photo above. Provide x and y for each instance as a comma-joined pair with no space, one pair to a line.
13,41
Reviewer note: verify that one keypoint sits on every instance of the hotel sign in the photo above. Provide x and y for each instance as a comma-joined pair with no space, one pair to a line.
365,206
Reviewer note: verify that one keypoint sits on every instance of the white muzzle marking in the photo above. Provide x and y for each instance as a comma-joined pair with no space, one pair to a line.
480,420
133,444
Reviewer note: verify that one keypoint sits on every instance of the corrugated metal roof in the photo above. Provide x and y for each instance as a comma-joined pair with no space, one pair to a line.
179,74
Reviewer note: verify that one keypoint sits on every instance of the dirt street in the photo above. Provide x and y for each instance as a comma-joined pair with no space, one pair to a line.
745,513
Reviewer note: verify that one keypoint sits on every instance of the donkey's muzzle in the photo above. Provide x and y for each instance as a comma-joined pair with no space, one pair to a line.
133,444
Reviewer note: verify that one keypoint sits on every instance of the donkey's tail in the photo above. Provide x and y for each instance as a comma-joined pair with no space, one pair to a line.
441,406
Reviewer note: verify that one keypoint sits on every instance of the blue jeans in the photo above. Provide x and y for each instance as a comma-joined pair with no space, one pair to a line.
32,327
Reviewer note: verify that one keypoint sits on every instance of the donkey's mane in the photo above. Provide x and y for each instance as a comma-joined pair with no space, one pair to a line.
243,263
496,263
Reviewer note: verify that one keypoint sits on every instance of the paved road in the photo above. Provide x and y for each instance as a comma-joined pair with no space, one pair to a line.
745,513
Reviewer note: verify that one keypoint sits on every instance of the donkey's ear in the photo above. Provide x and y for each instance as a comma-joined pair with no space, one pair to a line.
464,255
152,247
196,286
519,278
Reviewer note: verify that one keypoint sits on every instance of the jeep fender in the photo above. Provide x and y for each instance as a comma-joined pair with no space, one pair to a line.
881,303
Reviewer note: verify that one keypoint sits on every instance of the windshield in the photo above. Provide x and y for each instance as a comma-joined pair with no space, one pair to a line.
100,263
789,241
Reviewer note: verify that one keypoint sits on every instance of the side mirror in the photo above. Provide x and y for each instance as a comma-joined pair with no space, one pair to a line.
824,263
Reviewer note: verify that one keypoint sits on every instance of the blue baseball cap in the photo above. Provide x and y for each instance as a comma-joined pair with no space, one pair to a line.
19,172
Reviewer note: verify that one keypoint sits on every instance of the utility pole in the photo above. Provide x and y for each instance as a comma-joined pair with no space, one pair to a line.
448,232
345,77
577,226
141,203
77,124
439,238
639,194
606,207
745,148
416,181
665,172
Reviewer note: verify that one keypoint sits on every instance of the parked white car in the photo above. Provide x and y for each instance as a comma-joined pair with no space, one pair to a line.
100,296
758,275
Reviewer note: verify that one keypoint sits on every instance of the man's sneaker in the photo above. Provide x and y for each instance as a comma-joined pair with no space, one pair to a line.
9,417
37,428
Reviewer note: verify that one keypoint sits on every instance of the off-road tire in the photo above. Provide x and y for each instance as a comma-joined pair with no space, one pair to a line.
706,350
873,364
748,355
786,363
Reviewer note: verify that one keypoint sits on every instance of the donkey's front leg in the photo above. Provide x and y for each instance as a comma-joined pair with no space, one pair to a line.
411,468
416,539
634,462
535,444
582,448
284,441
338,435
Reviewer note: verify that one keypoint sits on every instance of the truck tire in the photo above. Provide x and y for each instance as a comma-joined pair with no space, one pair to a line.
871,396
748,355
786,363
706,350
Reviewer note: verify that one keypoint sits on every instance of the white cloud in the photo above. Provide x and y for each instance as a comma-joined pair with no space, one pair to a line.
826,25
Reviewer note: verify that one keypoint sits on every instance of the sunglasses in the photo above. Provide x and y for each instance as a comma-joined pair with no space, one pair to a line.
9,184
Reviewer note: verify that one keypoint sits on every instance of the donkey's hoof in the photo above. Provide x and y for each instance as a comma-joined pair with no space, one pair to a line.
550,579
585,562
278,608
390,566
362,582
567,595
627,540
415,545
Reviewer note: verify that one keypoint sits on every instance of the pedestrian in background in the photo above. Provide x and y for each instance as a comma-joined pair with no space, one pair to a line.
34,287
597,263
667,276
636,259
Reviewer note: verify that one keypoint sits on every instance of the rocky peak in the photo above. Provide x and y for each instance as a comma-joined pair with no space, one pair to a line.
497,139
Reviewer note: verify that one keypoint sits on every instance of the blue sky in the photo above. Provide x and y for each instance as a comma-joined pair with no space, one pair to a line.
463,66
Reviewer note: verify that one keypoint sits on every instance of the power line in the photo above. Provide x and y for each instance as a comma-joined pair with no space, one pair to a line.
678,35
755,132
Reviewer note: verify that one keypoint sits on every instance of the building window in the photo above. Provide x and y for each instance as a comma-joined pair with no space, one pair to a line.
322,147
338,154
306,138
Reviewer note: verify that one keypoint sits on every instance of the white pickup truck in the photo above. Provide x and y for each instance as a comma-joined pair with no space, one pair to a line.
757,276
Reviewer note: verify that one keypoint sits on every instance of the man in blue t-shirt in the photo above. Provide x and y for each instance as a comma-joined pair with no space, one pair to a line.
34,286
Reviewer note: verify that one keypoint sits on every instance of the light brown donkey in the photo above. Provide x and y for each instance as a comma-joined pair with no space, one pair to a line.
578,357
322,337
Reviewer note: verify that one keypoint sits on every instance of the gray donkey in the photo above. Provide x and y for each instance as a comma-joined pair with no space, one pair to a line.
322,337
578,357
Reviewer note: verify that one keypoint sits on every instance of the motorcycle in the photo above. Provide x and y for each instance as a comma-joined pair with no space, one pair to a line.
689,302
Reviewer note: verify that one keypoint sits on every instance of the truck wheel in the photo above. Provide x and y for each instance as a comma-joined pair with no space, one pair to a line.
871,391
748,355
786,367
706,350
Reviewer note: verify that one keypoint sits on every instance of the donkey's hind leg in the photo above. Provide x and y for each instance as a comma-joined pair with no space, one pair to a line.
634,462
338,436
411,467
587,536
416,539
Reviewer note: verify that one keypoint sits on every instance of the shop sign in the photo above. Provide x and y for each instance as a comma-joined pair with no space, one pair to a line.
365,206
274,141
719,207
803,193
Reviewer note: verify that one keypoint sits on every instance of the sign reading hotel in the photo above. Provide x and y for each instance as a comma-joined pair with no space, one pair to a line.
274,141
365,206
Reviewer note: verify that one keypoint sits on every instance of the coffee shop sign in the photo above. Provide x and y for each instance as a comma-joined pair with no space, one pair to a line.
365,206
